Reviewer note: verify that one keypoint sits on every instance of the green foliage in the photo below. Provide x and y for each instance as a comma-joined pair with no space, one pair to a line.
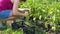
48,10
10,31
45,16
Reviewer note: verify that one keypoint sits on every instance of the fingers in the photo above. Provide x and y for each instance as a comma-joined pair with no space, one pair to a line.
24,14
28,10
24,9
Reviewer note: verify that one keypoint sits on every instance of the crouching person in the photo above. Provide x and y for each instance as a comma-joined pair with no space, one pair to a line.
9,9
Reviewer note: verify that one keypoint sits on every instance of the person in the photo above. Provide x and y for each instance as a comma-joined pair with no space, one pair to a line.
9,9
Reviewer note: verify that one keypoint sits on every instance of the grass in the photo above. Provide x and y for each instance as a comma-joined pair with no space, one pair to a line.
10,31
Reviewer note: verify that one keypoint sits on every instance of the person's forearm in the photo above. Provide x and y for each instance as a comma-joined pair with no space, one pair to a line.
15,5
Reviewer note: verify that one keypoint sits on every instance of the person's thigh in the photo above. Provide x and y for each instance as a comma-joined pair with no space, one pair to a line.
11,18
8,19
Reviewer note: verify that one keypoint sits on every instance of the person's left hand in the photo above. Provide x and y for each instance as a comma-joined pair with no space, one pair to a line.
24,9
28,10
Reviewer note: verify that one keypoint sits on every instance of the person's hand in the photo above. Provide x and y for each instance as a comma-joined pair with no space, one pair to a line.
24,9
27,10
24,15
